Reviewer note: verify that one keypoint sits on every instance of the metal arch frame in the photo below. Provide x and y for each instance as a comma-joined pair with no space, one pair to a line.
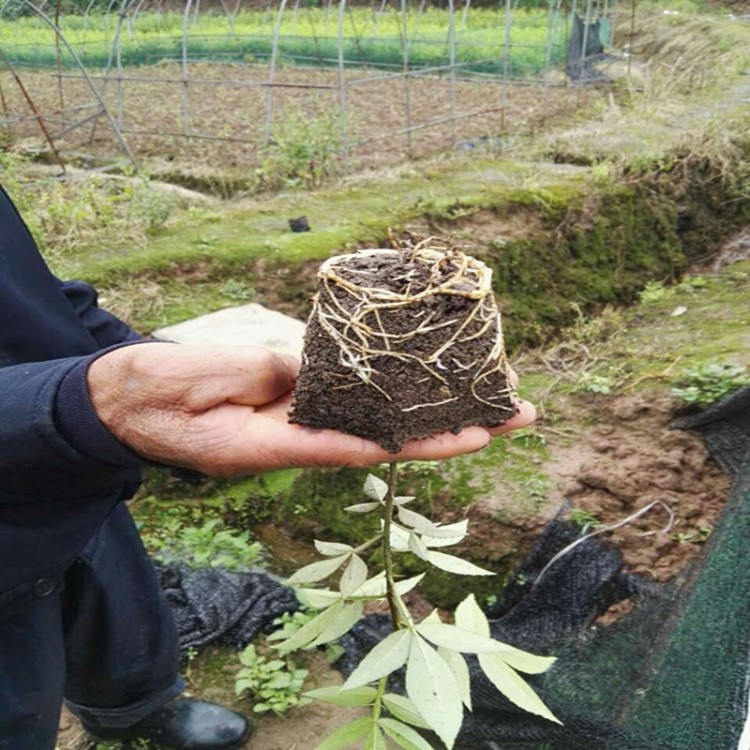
37,10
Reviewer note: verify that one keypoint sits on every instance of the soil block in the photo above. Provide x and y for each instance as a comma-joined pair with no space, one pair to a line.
403,344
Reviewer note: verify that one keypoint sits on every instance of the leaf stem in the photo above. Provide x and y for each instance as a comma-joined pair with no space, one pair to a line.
394,600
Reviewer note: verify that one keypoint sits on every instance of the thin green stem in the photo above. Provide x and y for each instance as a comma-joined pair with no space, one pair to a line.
394,600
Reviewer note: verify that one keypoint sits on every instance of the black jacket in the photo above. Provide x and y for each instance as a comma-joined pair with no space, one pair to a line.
53,496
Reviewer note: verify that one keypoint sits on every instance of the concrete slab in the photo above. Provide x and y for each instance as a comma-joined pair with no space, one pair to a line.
250,324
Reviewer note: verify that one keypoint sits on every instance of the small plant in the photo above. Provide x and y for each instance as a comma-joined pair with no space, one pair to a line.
585,520
708,383
238,291
304,151
290,622
431,651
655,291
208,546
590,383
275,684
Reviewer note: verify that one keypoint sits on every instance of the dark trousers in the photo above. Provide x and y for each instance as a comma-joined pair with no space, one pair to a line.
104,641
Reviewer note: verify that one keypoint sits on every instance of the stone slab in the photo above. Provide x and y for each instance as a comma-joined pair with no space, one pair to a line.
246,325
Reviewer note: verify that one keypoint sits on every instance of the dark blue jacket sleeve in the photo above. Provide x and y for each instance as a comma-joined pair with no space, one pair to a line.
103,326
37,458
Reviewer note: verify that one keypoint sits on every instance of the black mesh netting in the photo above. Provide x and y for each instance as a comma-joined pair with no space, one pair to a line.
673,674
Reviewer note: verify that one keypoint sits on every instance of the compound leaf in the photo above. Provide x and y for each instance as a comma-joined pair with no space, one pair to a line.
513,686
347,734
343,623
460,669
332,548
361,696
387,656
375,488
432,687
404,736
317,571
456,565
402,708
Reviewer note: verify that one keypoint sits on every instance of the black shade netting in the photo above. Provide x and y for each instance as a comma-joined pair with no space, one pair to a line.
672,674
584,49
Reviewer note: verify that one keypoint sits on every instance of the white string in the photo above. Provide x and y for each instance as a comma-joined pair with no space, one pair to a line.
605,529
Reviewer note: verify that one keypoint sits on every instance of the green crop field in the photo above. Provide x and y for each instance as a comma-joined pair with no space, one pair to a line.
307,36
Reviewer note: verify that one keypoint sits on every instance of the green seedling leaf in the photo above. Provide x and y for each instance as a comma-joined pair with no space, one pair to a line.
457,639
316,598
417,546
388,656
317,571
399,538
376,587
460,669
402,500
362,507
416,521
311,630
402,708
330,549
513,686
355,574
344,621
376,489
346,735
450,531
523,661
404,736
362,696
469,616
432,687
375,739
456,565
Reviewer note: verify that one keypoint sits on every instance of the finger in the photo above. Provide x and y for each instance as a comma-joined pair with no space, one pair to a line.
526,416
262,377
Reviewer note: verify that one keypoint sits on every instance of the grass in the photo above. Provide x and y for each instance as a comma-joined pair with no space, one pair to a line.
307,36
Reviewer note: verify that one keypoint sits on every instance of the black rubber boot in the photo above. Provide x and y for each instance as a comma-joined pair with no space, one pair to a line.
184,724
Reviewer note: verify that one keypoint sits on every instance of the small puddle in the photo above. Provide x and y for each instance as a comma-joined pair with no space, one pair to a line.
284,553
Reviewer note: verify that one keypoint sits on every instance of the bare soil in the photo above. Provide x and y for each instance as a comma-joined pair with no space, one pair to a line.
233,107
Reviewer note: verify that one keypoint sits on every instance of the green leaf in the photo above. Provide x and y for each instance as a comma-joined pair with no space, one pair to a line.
523,661
417,546
311,630
317,571
376,587
317,598
399,538
344,621
387,656
458,639
361,696
433,689
469,616
332,548
513,686
375,739
244,684
404,736
376,489
347,734
403,500
402,708
362,507
355,574
416,521
460,669
456,565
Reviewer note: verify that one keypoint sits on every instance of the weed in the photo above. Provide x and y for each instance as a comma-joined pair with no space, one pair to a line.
590,383
290,622
237,291
276,684
698,536
207,546
303,152
707,383
655,291
585,520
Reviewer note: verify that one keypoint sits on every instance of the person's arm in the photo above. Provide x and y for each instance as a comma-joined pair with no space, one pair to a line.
102,325
38,458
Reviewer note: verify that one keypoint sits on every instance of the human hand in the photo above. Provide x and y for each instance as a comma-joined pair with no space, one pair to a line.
224,412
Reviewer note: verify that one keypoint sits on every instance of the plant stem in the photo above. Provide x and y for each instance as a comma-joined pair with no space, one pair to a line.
393,598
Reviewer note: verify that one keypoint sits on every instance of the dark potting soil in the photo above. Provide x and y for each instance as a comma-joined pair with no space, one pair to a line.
411,394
